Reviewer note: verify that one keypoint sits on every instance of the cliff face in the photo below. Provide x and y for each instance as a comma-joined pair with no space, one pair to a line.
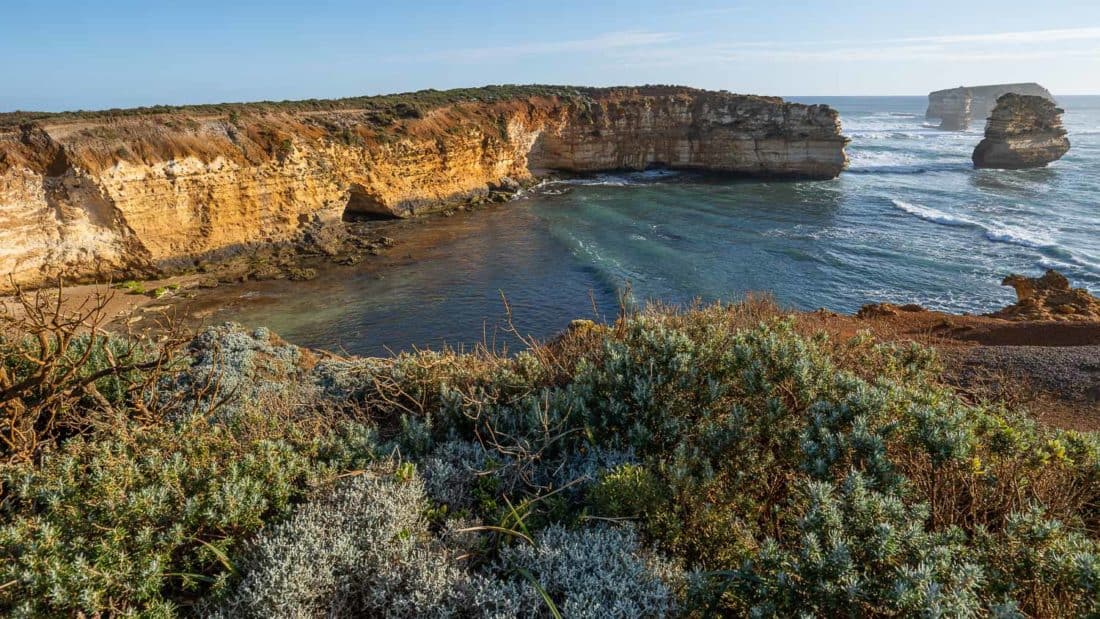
137,192
745,135
1022,132
957,107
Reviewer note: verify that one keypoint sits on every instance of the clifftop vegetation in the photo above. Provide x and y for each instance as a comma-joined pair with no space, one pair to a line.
402,105
722,459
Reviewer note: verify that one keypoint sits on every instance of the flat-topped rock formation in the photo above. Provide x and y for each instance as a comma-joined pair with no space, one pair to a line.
91,194
1049,297
957,108
1022,132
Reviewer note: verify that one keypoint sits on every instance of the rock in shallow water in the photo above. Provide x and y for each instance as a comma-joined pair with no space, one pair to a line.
956,107
1023,132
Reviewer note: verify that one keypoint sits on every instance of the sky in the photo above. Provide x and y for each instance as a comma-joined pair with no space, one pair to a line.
77,54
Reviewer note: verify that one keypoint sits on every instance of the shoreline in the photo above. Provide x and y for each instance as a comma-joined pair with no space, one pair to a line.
1049,367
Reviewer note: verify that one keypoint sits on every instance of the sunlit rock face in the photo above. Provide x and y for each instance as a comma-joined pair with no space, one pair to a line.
1049,297
1022,132
757,136
958,108
135,192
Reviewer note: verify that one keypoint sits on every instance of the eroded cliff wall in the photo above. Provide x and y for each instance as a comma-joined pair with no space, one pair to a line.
1022,132
134,193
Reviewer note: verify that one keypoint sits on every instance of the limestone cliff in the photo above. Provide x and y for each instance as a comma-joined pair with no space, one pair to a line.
956,108
1023,132
133,191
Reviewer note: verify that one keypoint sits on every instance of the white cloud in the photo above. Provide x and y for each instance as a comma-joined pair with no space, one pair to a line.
602,43
671,49
986,47
1030,36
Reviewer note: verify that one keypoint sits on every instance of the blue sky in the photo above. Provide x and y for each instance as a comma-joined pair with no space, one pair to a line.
69,54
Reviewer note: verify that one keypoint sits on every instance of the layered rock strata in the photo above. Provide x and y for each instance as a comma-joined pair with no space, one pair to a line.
956,108
129,191
1049,297
1022,132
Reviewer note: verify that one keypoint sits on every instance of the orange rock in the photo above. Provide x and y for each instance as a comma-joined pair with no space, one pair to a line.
121,192
1048,298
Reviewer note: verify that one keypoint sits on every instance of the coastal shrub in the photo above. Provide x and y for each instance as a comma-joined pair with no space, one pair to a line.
366,550
1047,568
856,549
231,368
600,571
142,520
716,460
362,551
730,427
61,373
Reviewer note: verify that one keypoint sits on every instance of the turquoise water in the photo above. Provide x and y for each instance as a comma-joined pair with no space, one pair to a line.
909,221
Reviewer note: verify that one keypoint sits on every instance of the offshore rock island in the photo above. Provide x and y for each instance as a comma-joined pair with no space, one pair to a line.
89,195
956,108
1023,131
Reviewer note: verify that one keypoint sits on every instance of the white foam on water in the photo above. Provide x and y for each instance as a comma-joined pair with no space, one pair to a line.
1018,236
933,215
625,179
994,231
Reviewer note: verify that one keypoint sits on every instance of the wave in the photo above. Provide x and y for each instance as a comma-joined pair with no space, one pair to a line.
884,134
994,231
916,168
625,179
1070,264
1018,236
933,215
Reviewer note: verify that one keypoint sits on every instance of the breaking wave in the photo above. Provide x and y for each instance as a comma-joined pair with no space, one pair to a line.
994,231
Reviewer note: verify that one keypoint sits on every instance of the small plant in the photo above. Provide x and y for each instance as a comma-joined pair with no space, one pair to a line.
131,287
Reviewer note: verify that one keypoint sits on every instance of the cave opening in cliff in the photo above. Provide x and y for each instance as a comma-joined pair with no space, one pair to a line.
362,206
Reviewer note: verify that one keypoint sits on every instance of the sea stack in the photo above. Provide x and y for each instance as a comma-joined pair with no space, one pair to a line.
1023,132
957,107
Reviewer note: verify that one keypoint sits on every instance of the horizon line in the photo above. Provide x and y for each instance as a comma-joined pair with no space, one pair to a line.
335,98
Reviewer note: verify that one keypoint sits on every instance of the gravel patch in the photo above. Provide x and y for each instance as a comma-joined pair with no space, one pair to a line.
1066,372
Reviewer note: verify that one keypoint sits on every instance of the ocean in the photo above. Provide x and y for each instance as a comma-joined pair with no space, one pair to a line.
910,221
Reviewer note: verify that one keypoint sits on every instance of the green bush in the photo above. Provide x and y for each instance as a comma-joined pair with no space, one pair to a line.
671,463
131,287
144,521
363,551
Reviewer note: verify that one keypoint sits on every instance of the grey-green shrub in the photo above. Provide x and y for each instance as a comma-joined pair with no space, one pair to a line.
142,521
365,550
789,473
591,572
362,551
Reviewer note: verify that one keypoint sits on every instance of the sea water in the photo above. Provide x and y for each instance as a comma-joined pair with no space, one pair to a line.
910,221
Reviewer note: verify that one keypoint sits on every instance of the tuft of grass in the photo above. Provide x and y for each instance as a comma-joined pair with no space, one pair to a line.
131,287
